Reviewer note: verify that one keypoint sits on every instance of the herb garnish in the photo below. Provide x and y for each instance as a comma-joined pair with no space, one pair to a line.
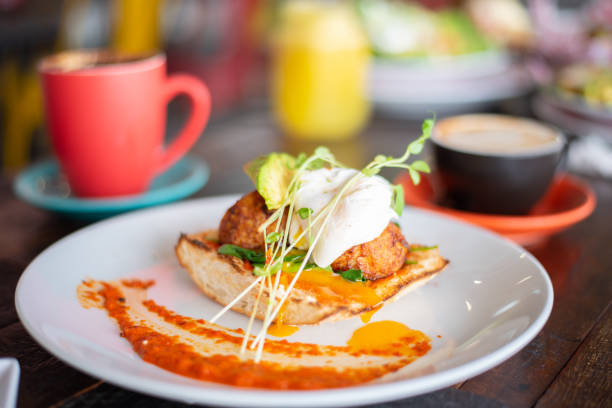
272,237
261,270
305,212
294,258
242,253
398,199
423,248
353,275
258,258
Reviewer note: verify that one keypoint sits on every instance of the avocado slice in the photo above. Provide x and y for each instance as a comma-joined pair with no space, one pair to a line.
272,175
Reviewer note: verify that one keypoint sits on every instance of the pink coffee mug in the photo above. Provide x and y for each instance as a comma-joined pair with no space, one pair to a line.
106,116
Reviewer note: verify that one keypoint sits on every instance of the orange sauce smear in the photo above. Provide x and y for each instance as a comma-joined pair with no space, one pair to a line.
176,343
88,295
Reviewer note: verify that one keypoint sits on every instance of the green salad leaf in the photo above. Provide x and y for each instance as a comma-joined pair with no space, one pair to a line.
295,258
242,253
353,275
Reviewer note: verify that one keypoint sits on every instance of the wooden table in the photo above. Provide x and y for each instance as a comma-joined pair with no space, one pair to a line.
567,364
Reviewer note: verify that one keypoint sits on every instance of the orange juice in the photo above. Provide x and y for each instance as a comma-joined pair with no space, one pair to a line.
319,71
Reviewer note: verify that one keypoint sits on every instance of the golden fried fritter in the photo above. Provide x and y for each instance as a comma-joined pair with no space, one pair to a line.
239,225
378,258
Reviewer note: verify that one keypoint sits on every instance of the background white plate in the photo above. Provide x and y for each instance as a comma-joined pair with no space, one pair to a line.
573,116
411,89
487,304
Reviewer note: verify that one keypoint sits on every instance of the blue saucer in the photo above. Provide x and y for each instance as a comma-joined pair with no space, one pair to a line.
42,185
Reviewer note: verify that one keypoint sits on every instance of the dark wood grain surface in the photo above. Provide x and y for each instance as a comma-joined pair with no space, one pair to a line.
568,364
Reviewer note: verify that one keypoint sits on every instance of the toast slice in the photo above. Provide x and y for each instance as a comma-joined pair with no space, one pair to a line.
223,277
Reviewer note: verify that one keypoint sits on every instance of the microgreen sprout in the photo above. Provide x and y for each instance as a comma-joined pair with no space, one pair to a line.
273,237
424,248
294,258
398,199
261,270
305,212
413,148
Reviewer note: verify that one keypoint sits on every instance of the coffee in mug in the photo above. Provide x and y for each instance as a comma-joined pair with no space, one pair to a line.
497,134
494,163
106,117
78,60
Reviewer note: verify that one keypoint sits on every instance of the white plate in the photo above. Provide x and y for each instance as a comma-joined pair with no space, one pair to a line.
450,67
578,106
486,305
573,116
407,90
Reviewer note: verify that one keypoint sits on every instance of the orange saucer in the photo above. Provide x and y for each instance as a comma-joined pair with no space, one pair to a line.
567,202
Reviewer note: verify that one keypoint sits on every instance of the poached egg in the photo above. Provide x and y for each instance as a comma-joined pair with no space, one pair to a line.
362,214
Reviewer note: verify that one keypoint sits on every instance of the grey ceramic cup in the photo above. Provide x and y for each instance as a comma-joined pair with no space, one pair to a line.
495,164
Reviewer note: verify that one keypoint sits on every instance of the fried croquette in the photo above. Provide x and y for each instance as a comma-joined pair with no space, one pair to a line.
240,224
378,258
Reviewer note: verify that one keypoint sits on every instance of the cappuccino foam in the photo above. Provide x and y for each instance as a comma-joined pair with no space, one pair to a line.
69,61
495,134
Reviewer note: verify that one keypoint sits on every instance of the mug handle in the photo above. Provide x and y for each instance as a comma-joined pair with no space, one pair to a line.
199,99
